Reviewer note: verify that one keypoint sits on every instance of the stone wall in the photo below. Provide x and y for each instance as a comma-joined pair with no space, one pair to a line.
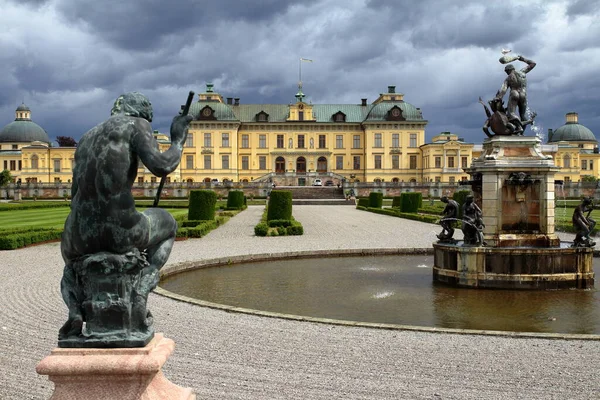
181,191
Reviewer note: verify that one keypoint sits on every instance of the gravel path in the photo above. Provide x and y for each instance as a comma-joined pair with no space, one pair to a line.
235,356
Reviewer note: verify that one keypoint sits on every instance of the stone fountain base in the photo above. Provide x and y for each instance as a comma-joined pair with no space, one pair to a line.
513,267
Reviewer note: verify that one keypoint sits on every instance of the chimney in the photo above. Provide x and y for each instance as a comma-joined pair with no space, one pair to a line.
236,101
230,100
550,133
363,102
391,89
572,118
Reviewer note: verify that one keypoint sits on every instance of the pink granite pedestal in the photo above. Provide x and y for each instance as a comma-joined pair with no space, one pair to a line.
120,373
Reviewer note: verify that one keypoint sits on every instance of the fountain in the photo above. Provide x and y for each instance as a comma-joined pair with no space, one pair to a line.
513,182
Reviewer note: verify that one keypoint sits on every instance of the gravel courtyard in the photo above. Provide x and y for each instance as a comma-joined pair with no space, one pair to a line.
224,355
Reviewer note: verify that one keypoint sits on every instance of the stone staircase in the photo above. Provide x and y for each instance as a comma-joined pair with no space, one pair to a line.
316,195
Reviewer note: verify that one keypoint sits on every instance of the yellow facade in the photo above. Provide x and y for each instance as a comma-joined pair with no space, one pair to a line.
297,143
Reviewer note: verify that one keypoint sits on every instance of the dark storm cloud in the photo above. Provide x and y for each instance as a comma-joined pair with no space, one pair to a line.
492,26
583,7
141,25
69,59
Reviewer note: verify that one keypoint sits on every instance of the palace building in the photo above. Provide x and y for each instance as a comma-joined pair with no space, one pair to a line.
296,143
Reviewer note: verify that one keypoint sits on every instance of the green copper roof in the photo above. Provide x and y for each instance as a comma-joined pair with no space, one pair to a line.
23,130
572,132
355,113
380,111
222,112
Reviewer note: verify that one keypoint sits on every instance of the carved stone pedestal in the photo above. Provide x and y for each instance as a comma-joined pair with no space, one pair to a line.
117,373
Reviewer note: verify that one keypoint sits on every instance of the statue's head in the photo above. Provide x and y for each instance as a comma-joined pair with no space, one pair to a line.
133,104
509,68
444,199
469,198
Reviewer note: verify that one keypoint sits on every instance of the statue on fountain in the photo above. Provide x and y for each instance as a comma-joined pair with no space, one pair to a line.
472,223
450,214
507,121
583,223
112,252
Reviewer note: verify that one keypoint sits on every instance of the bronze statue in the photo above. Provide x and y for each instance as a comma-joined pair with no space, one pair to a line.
112,252
472,222
497,119
450,214
516,81
583,223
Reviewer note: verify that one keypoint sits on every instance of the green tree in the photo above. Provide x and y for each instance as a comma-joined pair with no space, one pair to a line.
5,177
589,178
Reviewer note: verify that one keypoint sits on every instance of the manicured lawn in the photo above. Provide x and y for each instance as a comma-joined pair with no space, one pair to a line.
50,217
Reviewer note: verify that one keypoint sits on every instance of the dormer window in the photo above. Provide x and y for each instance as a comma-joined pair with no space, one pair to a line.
207,113
339,117
262,117
395,114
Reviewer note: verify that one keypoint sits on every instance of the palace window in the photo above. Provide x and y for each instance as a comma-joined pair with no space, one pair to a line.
377,140
356,162
34,162
567,161
262,162
413,162
438,162
377,159
207,161
395,161
464,163
322,141
245,142
583,164
395,140
245,164
280,141
207,140
438,179
189,161
413,140
224,139
140,179
56,165
339,162
262,141
225,161
356,142
300,141
189,141
450,162
152,179
339,141
452,179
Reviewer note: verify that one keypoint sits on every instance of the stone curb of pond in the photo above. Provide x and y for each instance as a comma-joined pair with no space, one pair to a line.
190,265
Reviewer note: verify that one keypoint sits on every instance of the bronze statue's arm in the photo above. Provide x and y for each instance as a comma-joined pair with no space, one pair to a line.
502,90
530,64
144,145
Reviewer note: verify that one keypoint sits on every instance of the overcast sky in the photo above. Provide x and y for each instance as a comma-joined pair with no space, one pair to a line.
69,59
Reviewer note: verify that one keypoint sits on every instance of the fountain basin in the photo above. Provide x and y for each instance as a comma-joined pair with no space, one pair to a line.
513,267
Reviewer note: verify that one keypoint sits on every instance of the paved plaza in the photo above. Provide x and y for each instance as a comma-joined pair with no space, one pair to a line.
224,355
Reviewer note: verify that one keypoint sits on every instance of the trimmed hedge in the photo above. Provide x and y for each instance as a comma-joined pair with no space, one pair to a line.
410,202
17,240
375,199
278,227
235,200
28,206
202,205
396,202
362,202
280,205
